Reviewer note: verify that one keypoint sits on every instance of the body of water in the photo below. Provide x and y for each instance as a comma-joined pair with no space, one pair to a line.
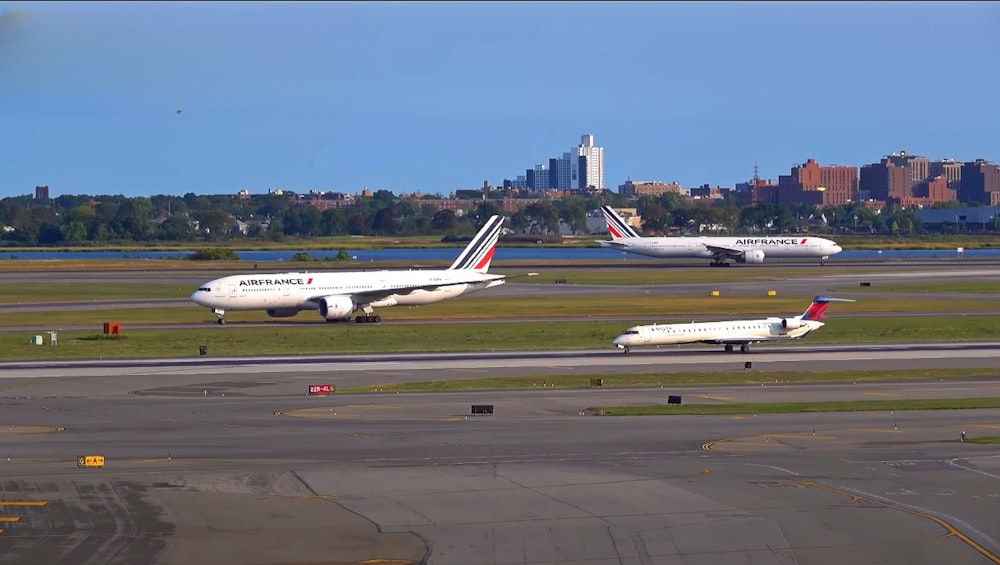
418,256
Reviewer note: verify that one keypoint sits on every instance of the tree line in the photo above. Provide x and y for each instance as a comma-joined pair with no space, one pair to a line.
80,219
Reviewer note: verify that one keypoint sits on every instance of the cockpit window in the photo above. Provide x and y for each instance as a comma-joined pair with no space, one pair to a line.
205,289
630,332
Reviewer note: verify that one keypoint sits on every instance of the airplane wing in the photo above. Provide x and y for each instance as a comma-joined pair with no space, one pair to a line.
737,340
719,252
520,275
614,244
379,294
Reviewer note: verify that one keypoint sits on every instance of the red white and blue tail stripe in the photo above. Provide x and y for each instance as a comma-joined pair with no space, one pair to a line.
817,309
616,225
479,253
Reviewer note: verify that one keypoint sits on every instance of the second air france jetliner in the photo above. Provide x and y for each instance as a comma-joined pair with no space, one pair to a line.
718,250
337,295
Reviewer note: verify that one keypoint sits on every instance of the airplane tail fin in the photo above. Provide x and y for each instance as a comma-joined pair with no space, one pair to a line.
479,253
617,227
817,309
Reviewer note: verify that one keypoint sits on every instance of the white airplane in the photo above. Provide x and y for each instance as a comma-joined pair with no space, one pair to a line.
729,333
337,295
751,250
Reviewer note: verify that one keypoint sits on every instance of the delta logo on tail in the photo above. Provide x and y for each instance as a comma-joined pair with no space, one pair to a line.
817,309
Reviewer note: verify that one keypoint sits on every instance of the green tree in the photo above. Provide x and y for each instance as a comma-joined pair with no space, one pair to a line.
177,227
444,220
485,211
543,217
215,224
135,219
75,231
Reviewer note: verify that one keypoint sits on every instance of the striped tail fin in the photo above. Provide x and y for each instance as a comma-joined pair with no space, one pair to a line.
479,253
817,309
616,225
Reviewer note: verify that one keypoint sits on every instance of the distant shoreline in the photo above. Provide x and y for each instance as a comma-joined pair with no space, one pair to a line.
848,242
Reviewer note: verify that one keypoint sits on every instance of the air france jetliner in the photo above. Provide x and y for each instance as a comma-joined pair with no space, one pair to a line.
337,295
751,250
729,333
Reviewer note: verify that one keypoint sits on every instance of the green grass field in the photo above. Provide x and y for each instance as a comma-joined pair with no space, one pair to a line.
385,338
956,287
983,440
692,380
18,292
798,407
631,310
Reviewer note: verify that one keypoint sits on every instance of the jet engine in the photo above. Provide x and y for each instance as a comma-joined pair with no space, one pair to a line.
790,324
751,257
336,307
282,312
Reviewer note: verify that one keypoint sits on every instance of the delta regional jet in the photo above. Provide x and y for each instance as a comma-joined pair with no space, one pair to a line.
729,333
337,295
718,250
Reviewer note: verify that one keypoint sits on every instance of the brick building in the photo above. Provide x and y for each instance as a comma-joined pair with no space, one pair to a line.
980,183
810,183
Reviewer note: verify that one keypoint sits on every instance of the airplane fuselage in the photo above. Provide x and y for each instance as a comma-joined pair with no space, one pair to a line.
786,247
301,291
737,332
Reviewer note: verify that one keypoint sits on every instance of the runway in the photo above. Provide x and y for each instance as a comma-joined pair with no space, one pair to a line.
229,461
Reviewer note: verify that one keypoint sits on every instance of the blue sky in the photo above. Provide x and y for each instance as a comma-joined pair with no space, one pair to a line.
432,97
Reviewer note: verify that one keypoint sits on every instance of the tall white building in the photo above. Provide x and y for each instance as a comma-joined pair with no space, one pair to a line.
588,168
580,168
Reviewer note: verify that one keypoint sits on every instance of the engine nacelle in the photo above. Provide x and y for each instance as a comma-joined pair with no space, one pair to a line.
282,312
336,307
791,324
751,257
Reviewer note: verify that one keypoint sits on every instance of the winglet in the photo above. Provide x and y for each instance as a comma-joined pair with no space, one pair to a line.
617,227
479,253
817,309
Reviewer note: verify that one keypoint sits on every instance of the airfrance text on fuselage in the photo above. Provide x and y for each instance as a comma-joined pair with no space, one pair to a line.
769,242
273,282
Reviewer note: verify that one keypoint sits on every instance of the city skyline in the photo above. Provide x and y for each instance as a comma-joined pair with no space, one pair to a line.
154,98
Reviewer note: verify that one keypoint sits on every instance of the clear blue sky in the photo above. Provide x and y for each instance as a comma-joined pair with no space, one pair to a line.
437,96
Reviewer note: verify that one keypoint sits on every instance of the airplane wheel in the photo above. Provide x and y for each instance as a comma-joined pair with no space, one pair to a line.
222,322
744,349
626,350
360,319
377,319
729,348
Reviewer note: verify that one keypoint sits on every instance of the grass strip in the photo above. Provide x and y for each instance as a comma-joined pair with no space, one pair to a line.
798,407
645,308
983,439
313,339
691,380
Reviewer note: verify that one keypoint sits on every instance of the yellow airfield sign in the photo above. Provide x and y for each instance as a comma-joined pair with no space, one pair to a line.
90,461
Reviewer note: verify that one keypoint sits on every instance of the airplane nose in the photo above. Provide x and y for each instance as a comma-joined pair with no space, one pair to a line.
836,249
196,297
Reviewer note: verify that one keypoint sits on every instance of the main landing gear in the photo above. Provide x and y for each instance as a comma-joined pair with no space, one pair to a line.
221,315
745,348
368,317
716,263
